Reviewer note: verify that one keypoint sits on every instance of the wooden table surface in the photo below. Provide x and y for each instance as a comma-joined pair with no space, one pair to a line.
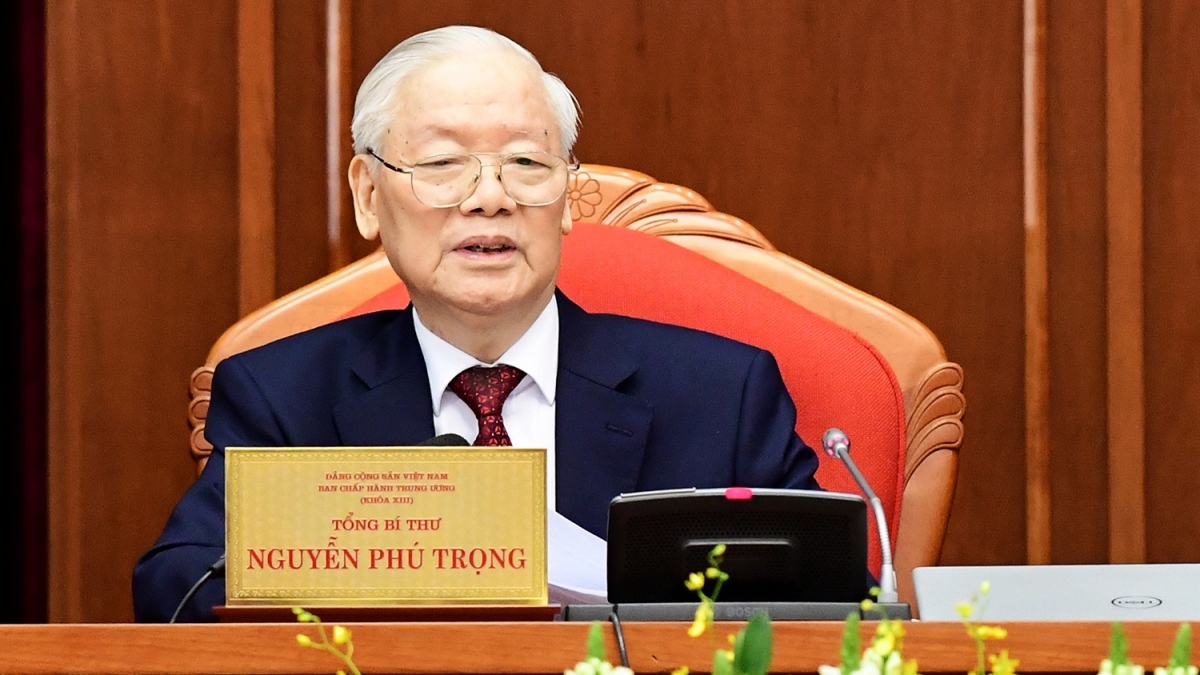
516,647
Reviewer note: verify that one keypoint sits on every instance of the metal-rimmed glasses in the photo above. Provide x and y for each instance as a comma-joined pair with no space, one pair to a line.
445,181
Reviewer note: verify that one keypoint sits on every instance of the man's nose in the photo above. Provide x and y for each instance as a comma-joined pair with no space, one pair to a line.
489,197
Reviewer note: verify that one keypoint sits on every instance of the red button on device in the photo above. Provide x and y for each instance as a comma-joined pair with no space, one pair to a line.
738,493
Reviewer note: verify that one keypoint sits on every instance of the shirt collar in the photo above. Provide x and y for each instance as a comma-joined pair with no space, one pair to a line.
535,353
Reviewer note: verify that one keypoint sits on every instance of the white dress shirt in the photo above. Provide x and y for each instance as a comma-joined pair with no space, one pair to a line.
529,410
576,560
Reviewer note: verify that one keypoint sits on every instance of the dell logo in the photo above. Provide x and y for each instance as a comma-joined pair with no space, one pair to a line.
1137,601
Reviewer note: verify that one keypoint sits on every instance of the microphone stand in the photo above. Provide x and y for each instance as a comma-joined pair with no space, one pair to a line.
837,444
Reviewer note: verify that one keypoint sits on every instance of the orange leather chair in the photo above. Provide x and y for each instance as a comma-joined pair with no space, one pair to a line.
661,252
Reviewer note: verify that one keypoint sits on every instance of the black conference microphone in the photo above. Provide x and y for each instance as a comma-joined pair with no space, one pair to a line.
217,569
837,444
214,570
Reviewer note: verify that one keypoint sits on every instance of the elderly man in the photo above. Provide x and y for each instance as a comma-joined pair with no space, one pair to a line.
464,148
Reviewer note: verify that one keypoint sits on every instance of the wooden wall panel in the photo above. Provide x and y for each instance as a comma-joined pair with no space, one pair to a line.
345,244
256,154
880,142
142,148
1076,171
1036,283
1124,281
301,249
1172,277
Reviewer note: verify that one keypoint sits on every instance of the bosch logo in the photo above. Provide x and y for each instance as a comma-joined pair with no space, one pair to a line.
737,611
1137,601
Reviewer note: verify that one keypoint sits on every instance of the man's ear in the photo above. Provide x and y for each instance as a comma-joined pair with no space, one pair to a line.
364,191
567,223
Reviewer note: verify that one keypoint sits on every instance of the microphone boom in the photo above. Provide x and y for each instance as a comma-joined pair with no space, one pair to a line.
837,444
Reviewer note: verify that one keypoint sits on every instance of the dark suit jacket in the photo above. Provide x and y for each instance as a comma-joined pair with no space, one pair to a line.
640,406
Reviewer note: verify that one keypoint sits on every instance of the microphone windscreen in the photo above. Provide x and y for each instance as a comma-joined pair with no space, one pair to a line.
832,439
447,440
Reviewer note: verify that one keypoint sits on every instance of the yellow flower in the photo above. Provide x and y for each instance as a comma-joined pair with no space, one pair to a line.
910,667
303,640
695,581
991,632
884,644
703,616
1002,665
985,587
892,628
341,672
964,609
681,670
887,638
866,604
340,635
712,573
719,549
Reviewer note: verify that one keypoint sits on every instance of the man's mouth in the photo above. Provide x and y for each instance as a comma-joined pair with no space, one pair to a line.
487,245
487,248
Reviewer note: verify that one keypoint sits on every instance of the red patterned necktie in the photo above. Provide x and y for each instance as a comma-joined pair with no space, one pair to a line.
484,390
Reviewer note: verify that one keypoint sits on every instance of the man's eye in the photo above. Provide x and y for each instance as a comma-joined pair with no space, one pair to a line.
442,163
526,161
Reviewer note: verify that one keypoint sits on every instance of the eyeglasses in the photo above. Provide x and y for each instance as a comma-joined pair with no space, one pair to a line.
445,181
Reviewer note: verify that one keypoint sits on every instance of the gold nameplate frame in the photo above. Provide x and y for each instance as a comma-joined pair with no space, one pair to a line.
385,526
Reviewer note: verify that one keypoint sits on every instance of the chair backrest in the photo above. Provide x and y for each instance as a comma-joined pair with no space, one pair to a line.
897,397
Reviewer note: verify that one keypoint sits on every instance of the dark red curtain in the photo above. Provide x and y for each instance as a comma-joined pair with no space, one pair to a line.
23,575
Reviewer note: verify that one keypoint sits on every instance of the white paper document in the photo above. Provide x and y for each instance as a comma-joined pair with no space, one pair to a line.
576,561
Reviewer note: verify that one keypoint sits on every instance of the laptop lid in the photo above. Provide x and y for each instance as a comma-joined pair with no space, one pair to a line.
1152,592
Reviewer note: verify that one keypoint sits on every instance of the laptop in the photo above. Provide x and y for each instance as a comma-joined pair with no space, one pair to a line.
1152,592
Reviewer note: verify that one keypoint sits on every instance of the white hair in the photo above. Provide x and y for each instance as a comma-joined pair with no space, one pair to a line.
373,107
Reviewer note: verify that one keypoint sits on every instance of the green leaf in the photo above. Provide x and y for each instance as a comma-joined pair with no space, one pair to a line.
1118,646
752,650
1181,653
595,641
721,663
851,645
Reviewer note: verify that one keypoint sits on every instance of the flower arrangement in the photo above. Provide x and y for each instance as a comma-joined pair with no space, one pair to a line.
1118,663
596,662
885,655
342,647
749,651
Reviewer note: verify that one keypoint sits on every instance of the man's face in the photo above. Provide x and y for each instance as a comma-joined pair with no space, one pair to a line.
488,256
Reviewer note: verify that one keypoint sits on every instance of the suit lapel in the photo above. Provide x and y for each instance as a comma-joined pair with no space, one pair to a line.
396,408
600,433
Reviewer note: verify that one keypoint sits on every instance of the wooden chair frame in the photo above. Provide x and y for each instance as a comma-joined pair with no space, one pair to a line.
931,386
